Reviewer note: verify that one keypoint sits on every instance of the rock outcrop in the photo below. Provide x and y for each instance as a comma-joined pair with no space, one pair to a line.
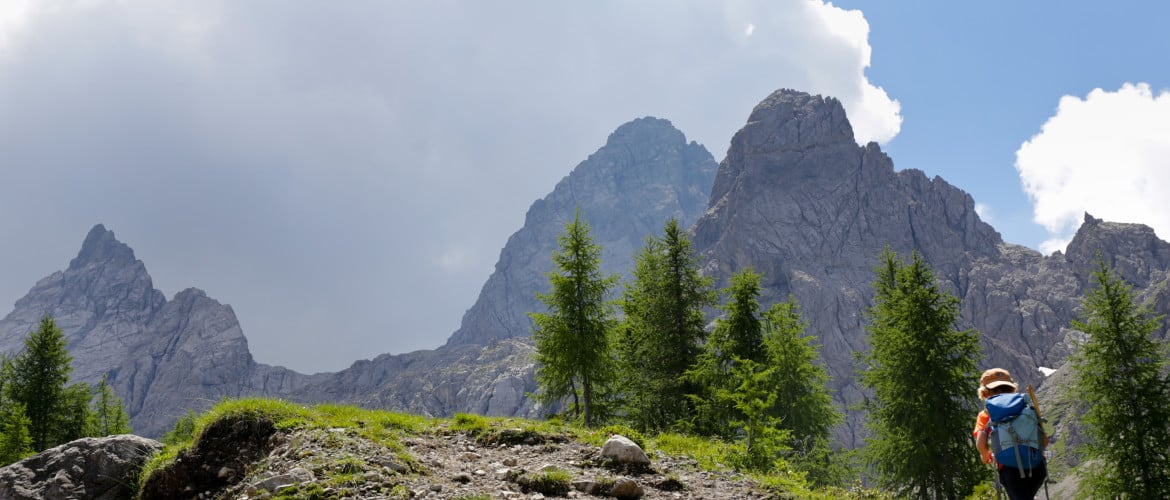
92,468
161,357
250,458
645,174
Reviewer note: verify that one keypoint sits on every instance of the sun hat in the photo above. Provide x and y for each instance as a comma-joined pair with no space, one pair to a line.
996,377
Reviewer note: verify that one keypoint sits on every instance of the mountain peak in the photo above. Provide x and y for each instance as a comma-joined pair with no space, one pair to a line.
101,245
791,118
643,130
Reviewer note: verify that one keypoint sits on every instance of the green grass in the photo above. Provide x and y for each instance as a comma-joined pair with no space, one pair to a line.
711,453
390,428
553,482
490,431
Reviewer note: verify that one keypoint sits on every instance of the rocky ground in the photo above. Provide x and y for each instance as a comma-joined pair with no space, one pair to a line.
338,463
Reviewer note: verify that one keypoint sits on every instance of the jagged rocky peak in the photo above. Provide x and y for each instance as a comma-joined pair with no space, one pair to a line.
645,174
792,118
101,246
1133,250
645,130
794,140
160,357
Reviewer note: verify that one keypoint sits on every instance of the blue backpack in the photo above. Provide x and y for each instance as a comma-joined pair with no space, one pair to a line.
1015,435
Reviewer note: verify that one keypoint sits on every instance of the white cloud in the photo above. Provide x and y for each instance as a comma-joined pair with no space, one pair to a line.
1107,154
984,212
13,16
819,48
751,28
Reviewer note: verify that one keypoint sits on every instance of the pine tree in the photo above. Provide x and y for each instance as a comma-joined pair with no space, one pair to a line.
752,396
74,421
663,330
40,373
107,414
803,405
1119,373
572,340
737,336
15,443
921,370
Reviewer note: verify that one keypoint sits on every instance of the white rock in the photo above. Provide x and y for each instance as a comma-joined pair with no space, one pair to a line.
623,450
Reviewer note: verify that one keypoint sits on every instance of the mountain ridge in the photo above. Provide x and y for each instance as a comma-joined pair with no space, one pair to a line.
795,198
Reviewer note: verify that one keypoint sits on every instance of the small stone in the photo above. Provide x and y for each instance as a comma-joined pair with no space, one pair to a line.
480,472
586,486
627,489
461,479
226,472
510,462
437,488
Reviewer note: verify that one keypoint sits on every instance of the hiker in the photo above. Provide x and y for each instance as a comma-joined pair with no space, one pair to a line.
1020,483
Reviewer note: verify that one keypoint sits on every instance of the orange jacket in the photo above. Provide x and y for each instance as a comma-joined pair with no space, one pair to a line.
980,435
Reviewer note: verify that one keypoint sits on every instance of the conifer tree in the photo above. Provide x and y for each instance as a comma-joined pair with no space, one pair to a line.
573,351
921,370
15,443
39,375
737,336
663,330
107,414
74,420
803,405
1120,375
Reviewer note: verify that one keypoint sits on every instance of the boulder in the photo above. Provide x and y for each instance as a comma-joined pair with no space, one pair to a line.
619,448
91,468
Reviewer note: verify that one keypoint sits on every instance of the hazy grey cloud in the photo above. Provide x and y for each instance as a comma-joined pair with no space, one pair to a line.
345,173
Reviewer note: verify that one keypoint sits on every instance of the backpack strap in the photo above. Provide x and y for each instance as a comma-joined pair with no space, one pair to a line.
1019,460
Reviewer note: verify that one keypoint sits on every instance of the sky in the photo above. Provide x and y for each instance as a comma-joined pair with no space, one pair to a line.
345,174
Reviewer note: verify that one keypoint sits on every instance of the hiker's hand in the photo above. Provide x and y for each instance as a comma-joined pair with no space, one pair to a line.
987,458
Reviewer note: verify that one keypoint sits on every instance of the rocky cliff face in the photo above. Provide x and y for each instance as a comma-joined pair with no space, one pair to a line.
799,201
161,357
645,174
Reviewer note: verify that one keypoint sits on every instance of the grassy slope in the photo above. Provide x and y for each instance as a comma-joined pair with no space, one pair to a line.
389,429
